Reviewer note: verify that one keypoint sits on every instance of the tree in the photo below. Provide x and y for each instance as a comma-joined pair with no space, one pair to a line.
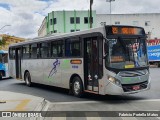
3,40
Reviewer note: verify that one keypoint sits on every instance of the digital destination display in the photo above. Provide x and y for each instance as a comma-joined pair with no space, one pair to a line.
127,30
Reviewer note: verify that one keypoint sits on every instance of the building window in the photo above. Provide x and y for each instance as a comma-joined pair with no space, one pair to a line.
135,23
77,20
55,21
72,30
147,23
72,20
103,23
85,20
55,31
117,23
50,21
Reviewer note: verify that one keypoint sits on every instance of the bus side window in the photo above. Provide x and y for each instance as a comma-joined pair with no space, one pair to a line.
72,47
45,47
34,51
26,51
57,49
5,58
11,53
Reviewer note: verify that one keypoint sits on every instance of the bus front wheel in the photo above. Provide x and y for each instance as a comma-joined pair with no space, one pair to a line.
28,79
0,75
77,87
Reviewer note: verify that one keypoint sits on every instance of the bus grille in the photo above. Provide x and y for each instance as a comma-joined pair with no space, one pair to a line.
129,87
132,73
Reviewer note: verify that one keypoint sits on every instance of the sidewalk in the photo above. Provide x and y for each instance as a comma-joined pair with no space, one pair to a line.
12,102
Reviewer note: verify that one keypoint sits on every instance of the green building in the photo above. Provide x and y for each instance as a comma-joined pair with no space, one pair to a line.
66,21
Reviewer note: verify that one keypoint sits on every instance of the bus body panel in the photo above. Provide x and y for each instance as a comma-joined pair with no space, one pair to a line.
4,64
49,71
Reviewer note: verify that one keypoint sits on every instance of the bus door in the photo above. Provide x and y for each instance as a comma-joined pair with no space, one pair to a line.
92,63
18,63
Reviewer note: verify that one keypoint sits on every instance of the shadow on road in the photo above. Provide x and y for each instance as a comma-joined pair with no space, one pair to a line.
53,92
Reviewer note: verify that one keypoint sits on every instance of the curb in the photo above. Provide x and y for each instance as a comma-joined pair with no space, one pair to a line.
42,106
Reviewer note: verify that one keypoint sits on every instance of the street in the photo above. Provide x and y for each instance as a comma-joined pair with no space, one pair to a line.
62,101
54,94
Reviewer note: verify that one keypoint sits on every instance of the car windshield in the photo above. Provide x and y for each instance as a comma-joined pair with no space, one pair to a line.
127,53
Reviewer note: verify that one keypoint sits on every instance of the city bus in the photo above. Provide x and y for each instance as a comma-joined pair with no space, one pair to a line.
3,64
105,60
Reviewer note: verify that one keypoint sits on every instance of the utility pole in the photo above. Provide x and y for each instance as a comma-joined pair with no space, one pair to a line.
110,9
90,19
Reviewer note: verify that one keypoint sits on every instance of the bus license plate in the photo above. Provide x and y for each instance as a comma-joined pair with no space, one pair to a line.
137,87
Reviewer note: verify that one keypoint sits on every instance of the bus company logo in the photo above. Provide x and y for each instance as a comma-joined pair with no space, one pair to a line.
53,71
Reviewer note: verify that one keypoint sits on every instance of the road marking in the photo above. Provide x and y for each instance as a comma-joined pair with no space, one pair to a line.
94,114
154,100
60,118
76,102
21,106
128,118
83,102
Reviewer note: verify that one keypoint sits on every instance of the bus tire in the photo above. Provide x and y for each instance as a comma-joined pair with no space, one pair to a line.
0,75
28,79
77,87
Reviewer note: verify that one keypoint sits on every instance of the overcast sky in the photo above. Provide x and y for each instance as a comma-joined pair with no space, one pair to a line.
26,16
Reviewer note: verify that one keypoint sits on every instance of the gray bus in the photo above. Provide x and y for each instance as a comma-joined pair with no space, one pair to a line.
106,60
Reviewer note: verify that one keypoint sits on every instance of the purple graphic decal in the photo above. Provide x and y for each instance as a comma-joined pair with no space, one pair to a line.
54,69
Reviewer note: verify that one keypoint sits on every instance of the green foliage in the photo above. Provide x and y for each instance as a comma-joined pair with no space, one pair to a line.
3,41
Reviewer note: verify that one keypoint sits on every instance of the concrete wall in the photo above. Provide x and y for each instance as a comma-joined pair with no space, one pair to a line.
153,19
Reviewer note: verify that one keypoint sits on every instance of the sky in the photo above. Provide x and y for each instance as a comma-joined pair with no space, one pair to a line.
25,16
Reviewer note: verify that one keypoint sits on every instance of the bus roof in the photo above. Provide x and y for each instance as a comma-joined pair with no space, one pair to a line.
54,37
65,35
3,51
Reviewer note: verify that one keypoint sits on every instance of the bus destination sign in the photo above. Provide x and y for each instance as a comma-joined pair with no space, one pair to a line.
127,30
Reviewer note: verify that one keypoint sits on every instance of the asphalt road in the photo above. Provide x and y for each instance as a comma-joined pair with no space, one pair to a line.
54,94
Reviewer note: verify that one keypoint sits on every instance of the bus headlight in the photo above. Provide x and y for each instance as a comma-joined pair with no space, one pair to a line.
114,80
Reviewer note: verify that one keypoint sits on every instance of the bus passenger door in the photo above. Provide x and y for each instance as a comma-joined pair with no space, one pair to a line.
92,63
18,63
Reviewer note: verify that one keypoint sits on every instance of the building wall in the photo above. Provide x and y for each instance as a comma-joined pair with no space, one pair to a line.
149,21
63,24
10,40
42,30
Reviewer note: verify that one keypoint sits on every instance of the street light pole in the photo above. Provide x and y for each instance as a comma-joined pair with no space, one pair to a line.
90,18
4,26
110,9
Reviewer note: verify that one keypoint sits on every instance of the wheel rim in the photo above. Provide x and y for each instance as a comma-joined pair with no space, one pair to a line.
76,87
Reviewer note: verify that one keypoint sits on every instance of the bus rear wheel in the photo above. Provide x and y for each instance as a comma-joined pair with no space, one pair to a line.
77,87
28,79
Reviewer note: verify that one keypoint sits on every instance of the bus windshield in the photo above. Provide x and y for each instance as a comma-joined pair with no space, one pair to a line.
127,53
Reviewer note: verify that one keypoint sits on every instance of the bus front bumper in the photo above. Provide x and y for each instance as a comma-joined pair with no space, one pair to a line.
114,89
